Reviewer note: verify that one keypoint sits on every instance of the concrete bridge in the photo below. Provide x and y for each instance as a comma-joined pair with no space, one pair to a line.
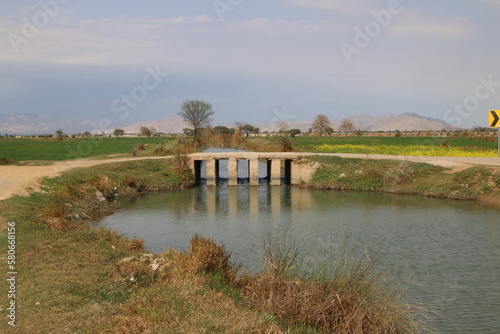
288,165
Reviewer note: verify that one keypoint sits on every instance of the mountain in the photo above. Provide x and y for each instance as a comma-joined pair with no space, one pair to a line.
388,122
27,124
167,125
30,124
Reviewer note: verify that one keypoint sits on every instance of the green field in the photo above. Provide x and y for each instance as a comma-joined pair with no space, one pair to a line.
17,150
52,150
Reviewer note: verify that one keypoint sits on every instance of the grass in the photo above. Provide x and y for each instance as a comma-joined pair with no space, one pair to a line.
16,150
53,150
405,178
342,294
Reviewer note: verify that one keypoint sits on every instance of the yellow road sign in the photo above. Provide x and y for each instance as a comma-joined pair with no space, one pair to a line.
494,119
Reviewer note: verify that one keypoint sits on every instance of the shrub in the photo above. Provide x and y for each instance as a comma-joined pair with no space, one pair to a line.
4,161
286,145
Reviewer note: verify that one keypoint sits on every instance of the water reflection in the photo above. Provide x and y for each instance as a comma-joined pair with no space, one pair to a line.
449,250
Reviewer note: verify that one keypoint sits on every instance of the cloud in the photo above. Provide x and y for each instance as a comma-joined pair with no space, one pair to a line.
358,7
414,24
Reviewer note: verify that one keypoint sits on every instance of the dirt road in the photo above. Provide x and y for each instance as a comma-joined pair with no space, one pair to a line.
14,180
17,179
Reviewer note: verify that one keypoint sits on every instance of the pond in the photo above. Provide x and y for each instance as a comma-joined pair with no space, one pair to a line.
449,251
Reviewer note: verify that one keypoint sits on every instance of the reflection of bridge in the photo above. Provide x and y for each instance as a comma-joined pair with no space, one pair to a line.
279,165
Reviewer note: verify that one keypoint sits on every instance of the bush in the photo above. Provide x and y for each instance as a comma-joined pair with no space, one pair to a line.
4,161
286,145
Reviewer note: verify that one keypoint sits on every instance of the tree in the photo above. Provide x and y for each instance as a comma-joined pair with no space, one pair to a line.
145,132
197,114
119,132
87,134
223,130
282,126
294,132
248,129
188,132
60,134
320,124
346,126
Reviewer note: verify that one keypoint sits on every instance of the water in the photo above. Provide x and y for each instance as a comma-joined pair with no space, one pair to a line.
448,250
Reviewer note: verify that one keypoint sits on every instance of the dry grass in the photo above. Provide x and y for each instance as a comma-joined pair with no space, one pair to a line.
350,298
347,298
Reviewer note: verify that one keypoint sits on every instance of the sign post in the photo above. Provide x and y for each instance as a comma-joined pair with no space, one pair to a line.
494,122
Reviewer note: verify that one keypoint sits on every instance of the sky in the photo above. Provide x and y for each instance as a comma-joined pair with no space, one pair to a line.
254,61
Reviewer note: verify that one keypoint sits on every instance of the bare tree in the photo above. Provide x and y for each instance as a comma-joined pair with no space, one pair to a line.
60,134
198,114
145,132
346,126
283,126
321,124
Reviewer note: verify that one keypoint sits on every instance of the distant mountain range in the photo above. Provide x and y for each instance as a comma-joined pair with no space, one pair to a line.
27,124
389,122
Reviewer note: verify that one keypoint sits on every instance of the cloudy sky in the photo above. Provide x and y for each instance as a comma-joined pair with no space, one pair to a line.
255,61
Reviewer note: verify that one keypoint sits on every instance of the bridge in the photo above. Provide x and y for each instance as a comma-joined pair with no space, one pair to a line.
287,165
297,170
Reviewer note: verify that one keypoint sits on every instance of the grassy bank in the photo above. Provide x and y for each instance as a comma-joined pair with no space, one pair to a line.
406,178
74,279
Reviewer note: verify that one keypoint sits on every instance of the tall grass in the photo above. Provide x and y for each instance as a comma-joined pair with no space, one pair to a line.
343,294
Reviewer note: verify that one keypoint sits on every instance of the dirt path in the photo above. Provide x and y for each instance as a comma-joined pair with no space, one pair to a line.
17,179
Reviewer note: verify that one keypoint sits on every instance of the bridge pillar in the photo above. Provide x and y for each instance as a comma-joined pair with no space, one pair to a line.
212,172
253,172
232,172
275,178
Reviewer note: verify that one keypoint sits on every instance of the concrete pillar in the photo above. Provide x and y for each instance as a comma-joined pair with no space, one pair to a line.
232,172
212,172
275,172
253,172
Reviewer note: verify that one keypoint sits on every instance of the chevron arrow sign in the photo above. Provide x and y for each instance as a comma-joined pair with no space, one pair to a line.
494,119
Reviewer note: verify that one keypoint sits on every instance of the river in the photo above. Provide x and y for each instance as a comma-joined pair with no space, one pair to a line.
447,251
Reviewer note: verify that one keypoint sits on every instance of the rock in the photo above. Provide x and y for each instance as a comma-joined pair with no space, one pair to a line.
341,176
100,197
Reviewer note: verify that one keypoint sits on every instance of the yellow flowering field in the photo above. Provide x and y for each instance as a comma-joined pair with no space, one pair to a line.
409,150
